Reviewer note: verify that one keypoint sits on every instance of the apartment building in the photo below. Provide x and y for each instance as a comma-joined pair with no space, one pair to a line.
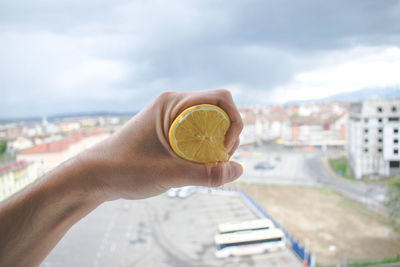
315,130
15,176
373,138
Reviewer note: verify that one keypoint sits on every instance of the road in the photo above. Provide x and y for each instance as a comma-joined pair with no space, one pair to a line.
304,168
366,192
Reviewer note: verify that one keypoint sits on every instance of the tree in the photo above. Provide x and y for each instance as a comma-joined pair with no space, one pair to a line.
3,146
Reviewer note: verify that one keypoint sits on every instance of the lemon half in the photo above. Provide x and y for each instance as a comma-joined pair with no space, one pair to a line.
198,134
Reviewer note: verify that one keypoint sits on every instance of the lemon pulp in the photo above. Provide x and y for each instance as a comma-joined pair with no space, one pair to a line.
198,134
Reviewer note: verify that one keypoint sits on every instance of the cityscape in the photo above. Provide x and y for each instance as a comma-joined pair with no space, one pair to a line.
316,84
318,151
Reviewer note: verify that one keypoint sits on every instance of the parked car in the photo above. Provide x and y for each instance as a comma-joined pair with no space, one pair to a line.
173,192
264,165
186,191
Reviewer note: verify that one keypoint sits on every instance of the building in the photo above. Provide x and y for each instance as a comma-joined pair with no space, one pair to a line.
48,155
21,143
261,124
318,131
15,176
373,138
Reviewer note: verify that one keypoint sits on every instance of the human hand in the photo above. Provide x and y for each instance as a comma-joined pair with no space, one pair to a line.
138,162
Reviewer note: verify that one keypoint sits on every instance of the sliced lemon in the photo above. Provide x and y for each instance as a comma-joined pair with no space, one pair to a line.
198,134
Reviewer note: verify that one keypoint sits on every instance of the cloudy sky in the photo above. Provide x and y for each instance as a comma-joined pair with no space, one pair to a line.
99,55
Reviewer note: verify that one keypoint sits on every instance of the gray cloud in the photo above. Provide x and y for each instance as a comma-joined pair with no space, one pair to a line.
62,56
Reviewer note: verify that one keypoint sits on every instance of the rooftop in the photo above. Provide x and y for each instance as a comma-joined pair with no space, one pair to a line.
61,145
15,166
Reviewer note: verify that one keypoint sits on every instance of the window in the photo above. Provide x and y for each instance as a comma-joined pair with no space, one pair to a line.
395,141
394,164
366,150
394,109
380,119
379,109
380,140
395,151
380,150
380,130
394,119
395,130
366,140
365,130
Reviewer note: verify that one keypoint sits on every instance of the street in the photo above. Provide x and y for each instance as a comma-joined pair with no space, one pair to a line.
304,168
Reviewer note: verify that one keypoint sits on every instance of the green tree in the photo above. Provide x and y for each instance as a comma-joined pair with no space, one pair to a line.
3,146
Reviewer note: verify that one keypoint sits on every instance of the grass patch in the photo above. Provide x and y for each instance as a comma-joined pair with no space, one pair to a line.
354,206
326,191
340,167
393,198
394,182
378,262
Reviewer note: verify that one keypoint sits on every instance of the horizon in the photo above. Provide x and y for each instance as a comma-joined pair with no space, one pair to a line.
95,113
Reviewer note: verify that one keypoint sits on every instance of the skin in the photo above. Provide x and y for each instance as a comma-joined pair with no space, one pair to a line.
135,162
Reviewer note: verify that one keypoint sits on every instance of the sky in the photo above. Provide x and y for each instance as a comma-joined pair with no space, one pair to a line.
99,55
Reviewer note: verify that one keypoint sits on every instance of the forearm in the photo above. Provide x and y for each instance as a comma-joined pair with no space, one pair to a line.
135,162
33,221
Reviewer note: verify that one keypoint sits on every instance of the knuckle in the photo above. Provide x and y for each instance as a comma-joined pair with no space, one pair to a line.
166,95
224,93
239,122
240,126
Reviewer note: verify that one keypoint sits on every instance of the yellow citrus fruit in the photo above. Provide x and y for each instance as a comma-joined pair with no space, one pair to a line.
198,134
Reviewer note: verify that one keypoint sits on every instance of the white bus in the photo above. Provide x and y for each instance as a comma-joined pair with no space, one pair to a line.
260,224
249,242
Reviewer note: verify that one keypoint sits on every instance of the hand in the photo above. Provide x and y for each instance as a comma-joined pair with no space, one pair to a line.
138,162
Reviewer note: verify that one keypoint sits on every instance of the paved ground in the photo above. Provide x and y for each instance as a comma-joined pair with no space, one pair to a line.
290,164
305,168
160,231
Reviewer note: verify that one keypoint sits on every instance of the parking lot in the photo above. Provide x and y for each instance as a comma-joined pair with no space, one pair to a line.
266,165
160,231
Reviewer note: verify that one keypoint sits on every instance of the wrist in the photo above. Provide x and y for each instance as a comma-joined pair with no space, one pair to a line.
76,178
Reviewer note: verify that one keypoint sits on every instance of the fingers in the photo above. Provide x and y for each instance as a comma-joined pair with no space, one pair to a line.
219,97
226,103
212,174
223,173
235,146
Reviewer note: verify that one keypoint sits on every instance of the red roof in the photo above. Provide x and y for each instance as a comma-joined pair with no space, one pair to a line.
60,145
13,166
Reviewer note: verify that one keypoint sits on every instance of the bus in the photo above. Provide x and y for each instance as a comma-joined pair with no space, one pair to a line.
249,242
260,224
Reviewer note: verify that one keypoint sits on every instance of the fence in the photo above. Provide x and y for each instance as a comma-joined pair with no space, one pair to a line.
306,257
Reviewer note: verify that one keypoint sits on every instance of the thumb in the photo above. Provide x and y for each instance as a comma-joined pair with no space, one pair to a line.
223,172
212,174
